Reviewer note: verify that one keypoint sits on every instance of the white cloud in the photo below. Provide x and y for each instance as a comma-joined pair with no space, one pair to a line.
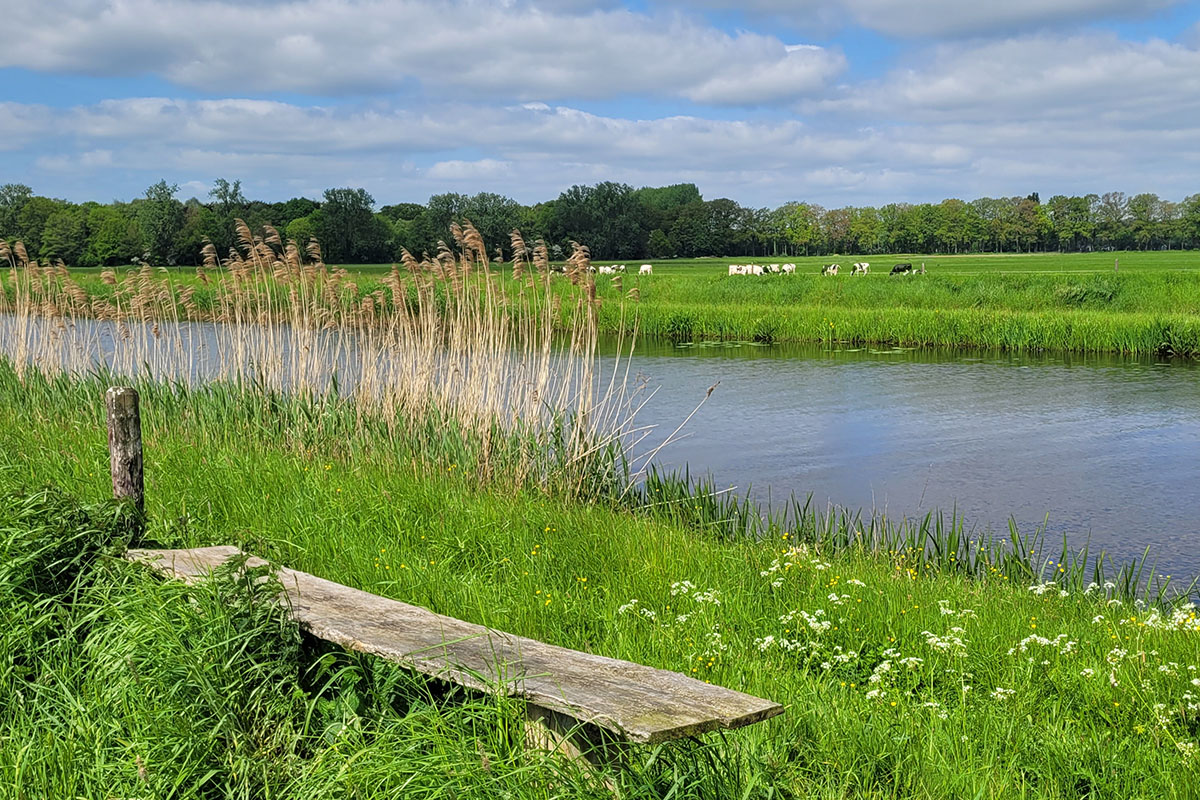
933,18
483,169
1096,79
485,48
21,124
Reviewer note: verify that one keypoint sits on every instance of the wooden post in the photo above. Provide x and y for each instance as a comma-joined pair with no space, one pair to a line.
125,445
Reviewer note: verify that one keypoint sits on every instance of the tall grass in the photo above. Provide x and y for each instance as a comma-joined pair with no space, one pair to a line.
444,355
900,680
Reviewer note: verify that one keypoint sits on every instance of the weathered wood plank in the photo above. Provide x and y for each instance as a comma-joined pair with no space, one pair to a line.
633,701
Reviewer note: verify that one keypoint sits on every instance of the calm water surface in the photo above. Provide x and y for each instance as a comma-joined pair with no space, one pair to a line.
1109,448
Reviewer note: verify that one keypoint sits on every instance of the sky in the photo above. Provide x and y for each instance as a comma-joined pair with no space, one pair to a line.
835,102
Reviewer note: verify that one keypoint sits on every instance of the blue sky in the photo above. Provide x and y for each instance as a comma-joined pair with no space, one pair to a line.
837,102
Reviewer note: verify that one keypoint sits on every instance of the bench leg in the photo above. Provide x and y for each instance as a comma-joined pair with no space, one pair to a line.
597,751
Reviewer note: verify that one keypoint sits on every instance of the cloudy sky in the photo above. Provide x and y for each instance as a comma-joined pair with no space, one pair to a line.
763,101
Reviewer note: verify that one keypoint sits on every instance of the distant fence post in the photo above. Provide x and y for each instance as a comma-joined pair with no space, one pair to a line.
125,445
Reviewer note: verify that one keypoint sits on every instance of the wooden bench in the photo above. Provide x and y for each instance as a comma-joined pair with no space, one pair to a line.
584,701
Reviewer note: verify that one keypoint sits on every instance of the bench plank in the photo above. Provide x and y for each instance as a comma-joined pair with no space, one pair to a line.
633,701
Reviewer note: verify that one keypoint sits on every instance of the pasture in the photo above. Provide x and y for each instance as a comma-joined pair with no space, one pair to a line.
1039,301
915,660
906,670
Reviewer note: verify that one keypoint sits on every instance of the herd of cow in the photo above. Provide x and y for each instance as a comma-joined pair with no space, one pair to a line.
859,268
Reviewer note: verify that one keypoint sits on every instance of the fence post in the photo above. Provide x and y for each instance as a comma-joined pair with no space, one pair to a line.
125,445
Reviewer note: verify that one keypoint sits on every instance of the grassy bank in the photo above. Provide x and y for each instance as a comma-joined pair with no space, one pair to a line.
1073,302
905,672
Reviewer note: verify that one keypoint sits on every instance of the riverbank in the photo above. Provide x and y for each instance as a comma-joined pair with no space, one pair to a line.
905,672
1037,302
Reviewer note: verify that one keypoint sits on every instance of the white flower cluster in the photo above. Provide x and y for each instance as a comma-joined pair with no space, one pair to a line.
1181,618
632,607
1060,643
951,643
786,645
1042,588
682,587
1002,694
713,643
881,669
791,558
815,621
946,611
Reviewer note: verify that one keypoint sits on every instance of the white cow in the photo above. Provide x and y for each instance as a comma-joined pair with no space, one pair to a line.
607,270
860,268
736,269
830,269
788,269
756,269
646,269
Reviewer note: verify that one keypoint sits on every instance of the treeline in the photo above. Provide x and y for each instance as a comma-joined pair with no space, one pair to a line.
615,220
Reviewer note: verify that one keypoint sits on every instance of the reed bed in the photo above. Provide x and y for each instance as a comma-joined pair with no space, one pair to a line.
442,354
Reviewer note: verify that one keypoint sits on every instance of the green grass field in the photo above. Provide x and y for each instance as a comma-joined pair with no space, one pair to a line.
1072,302
906,672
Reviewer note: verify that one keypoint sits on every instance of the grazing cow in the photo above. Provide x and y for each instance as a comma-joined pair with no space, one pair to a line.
755,269
607,270
901,269
860,268
789,269
646,269
736,269
830,269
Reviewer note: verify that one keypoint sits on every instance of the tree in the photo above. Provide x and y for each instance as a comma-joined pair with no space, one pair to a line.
64,235
660,244
114,236
13,197
31,222
608,217
161,218
690,233
349,230
802,225
494,216
1111,214
1145,220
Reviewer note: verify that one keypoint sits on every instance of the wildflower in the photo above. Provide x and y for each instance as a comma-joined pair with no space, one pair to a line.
1087,673
1002,694
682,587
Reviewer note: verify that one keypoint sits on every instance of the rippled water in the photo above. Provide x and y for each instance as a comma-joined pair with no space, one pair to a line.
1109,448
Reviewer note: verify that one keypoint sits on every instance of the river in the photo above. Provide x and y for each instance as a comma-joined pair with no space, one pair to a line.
1105,450
1102,449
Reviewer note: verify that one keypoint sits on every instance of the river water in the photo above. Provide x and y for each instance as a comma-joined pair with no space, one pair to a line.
1103,449
1107,448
